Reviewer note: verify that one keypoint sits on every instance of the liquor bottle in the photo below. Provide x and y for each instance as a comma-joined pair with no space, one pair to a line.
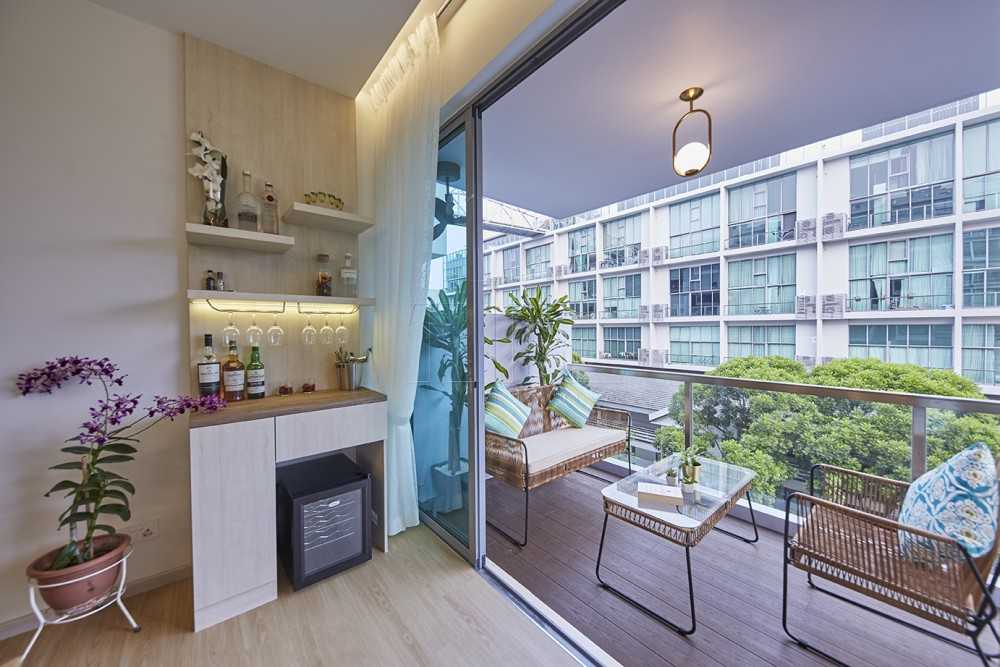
233,375
220,282
210,280
269,210
256,387
248,207
348,278
209,371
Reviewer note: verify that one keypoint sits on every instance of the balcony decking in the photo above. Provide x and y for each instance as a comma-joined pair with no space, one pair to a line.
737,590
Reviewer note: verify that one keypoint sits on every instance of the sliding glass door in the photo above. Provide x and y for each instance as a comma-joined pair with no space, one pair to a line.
446,407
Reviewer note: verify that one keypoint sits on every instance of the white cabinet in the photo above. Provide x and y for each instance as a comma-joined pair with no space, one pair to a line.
232,519
311,433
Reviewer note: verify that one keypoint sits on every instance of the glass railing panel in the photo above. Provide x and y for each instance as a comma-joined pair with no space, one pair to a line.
981,193
908,302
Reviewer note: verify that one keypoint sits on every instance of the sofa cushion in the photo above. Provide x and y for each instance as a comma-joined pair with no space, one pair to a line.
572,401
540,420
958,499
546,450
505,415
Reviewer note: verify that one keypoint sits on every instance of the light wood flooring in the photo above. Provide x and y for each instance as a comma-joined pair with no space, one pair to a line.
418,605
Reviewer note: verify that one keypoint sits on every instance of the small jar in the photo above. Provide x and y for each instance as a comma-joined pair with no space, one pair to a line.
324,278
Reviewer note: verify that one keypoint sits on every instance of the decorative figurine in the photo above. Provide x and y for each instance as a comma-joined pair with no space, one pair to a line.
211,170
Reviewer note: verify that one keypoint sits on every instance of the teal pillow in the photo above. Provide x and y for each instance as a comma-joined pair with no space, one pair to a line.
573,402
505,415
958,499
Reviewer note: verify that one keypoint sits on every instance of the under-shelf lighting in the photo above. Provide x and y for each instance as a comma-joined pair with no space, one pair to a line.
307,308
234,306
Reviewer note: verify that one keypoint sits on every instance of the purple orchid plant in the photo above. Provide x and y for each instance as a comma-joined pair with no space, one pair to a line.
109,436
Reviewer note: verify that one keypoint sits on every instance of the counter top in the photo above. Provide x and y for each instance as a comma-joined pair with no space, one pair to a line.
276,406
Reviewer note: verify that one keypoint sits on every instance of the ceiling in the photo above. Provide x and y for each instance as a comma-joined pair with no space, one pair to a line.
593,125
335,43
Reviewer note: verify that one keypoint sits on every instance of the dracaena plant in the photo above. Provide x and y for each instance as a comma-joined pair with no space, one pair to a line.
110,436
537,327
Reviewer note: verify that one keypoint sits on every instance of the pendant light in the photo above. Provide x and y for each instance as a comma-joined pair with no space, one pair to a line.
693,156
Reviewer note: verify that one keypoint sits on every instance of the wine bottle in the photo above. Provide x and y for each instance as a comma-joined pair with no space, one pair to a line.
248,207
233,375
256,386
209,371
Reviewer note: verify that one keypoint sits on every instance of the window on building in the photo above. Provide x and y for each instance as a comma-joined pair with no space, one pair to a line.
981,166
538,262
454,270
908,274
762,212
981,353
487,299
762,341
622,342
506,297
762,285
583,298
927,345
694,226
694,290
622,241
585,342
696,345
905,183
981,268
512,265
545,291
622,296
582,250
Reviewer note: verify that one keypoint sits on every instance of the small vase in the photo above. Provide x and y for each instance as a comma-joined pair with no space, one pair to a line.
692,471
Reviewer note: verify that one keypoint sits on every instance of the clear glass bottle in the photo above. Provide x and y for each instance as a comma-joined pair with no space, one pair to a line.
324,279
269,210
248,206
348,277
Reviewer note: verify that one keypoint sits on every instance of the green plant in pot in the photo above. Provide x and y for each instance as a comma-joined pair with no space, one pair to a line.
690,465
537,327
95,493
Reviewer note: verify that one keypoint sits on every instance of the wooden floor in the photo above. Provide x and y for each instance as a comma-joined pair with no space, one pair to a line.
419,605
737,590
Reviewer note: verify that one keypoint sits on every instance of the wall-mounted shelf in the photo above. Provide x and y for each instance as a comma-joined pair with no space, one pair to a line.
228,237
255,302
321,217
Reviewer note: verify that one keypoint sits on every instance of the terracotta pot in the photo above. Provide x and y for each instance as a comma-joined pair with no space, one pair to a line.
66,597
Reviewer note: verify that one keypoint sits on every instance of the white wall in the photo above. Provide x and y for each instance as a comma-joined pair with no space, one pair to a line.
91,259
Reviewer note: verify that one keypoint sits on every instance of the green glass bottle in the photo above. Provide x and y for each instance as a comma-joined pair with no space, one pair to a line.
256,385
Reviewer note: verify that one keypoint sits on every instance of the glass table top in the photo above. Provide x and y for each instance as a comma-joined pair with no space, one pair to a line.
718,483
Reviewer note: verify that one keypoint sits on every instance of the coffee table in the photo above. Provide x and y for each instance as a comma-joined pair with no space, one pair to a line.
720,486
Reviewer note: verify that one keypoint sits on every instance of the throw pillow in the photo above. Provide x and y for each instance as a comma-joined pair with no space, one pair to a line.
572,401
958,499
505,415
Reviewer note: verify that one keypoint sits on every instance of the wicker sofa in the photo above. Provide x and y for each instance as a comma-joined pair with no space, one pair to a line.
547,448
850,535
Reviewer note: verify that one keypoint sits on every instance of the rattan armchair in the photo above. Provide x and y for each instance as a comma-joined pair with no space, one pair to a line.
849,534
508,459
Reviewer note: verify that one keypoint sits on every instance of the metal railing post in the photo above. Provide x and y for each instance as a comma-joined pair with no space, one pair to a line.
688,413
918,442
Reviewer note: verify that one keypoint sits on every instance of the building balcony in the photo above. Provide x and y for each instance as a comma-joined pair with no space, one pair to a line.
621,309
981,193
900,206
909,302
759,238
584,310
509,277
753,309
538,273
582,263
624,256
691,250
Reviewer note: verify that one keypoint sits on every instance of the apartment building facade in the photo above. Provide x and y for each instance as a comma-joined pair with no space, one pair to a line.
882,242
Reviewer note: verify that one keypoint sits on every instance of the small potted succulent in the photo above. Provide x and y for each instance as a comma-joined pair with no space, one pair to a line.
92,556
690,466
672,476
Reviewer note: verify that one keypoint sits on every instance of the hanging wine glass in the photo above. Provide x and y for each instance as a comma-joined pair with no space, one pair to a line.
309,333
275,334
231,334
254,333
326,334
341,333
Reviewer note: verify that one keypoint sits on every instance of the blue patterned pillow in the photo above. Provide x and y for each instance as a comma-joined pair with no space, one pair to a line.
573,402
505,415
958,499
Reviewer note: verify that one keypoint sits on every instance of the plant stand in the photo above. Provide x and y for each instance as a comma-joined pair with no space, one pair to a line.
449,486
52,617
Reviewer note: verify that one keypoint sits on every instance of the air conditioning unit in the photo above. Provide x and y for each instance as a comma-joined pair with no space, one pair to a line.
659,255
643,312
826,360
658,311
562,270
643,355
805,230
806,360
832,307
644,257
604,355
833,226
805,306
658,358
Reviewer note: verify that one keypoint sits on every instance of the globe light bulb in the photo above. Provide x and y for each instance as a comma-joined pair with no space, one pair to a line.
691,158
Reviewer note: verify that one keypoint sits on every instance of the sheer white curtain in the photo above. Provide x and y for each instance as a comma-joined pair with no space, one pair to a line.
398,123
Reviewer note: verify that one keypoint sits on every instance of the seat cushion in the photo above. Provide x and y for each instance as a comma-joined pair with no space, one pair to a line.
572,401
958,499
505,415
546,450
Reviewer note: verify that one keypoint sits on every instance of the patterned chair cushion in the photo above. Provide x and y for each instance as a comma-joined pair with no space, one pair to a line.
573,402
958,499
505,415
537,399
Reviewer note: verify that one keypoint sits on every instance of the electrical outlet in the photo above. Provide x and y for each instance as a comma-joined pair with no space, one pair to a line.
140,532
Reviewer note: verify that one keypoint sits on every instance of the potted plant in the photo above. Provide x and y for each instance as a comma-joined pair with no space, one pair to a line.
537,326
110,436
690,466
672,476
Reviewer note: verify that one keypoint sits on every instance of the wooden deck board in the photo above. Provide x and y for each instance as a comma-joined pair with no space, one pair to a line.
737,590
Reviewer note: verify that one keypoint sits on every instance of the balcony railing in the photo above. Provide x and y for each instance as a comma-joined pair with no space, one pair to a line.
621,309
912,205
581,263
584,310
627,255
487,281
756,238
773,308
987,299
981,193
538,272
694,359
511,277
859,304
692,310
694,249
